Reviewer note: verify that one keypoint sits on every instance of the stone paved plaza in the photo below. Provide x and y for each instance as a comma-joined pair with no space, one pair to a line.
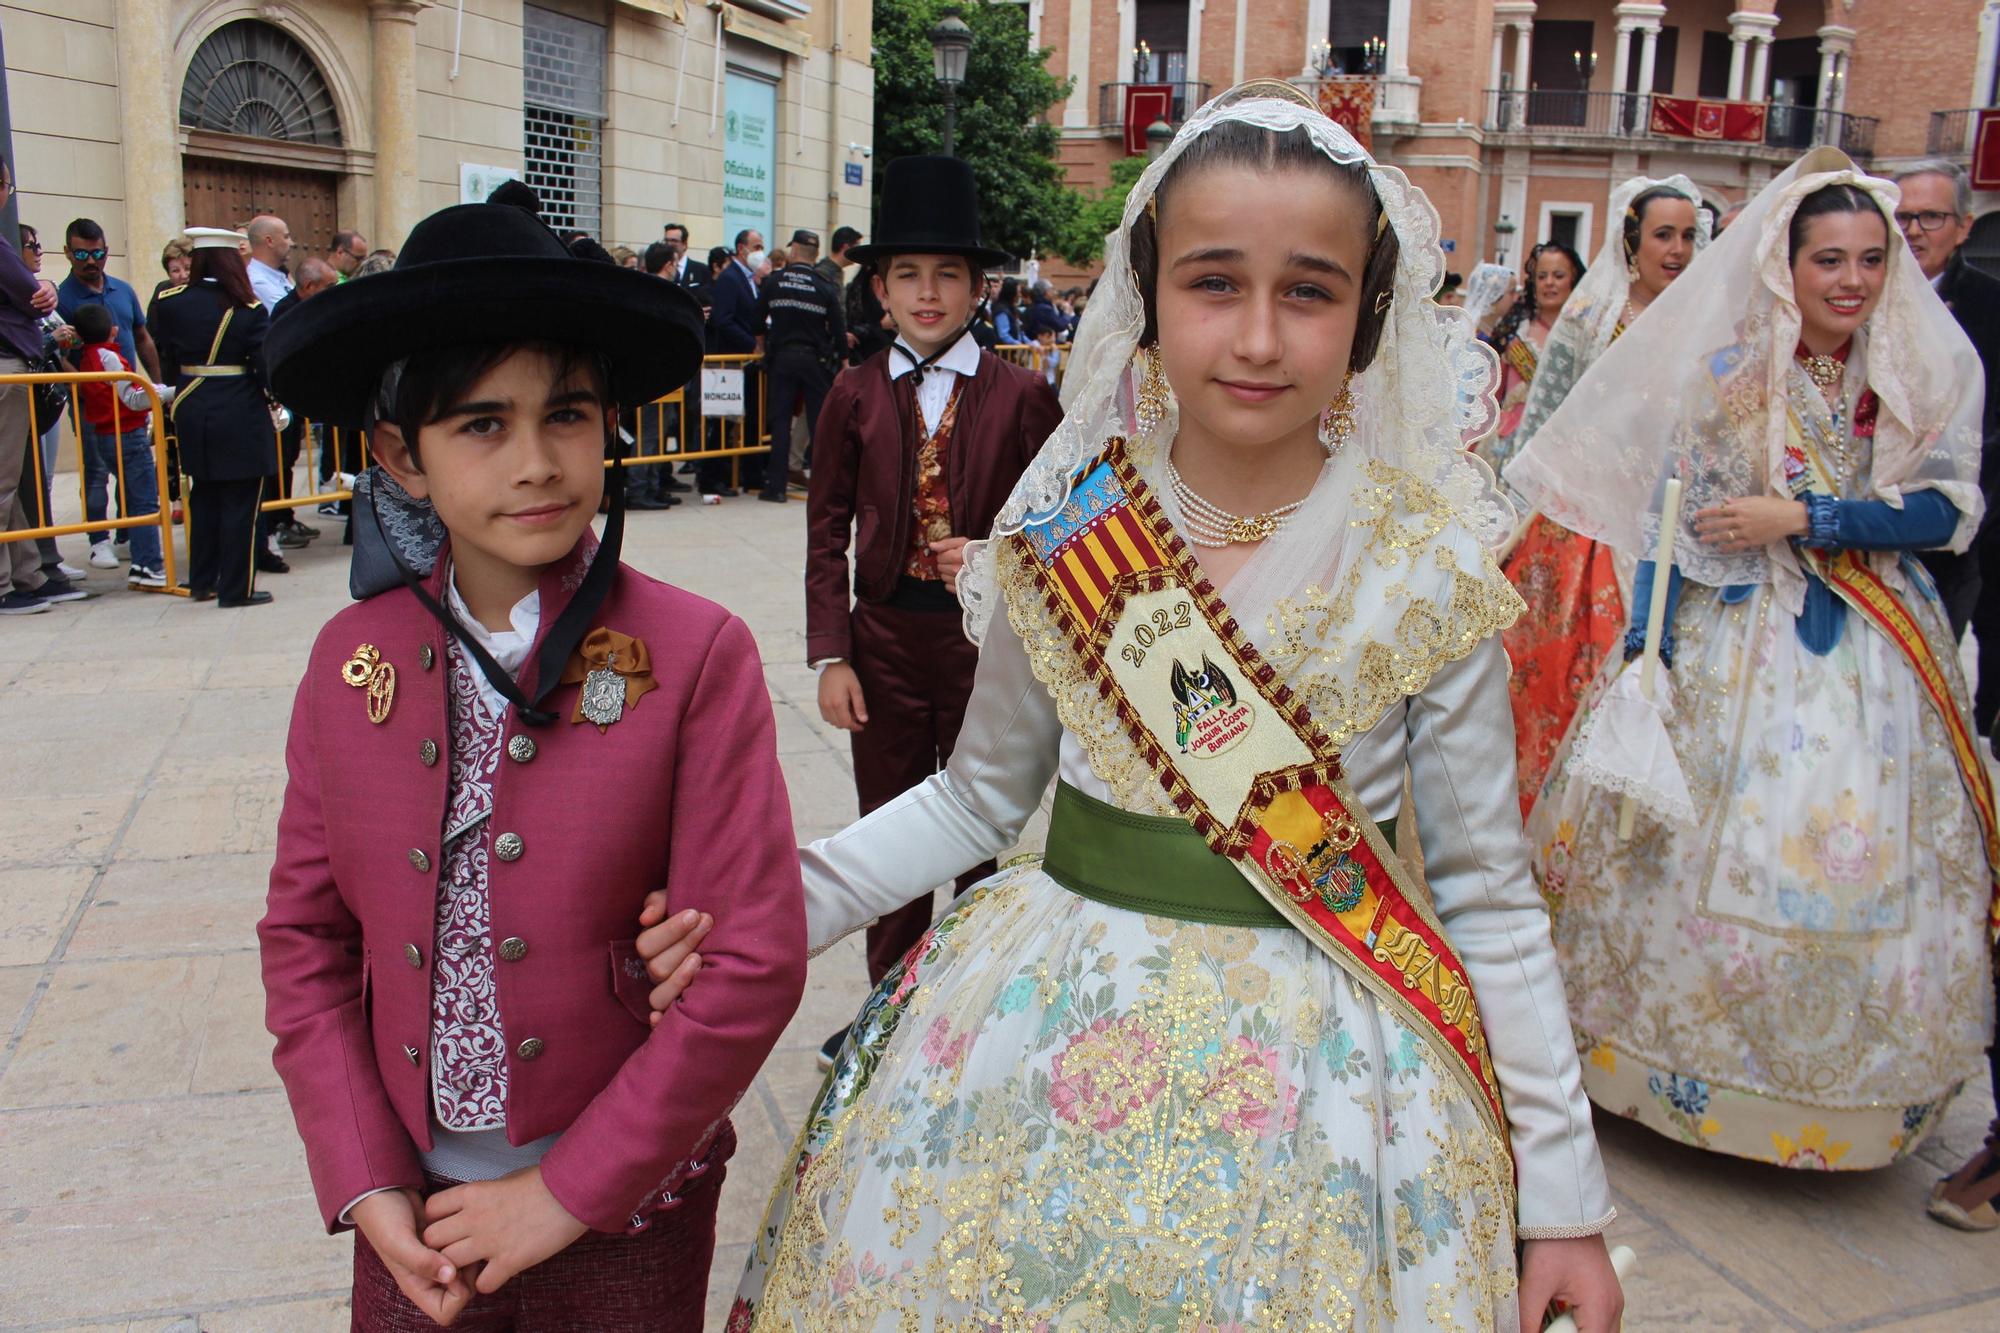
149,1174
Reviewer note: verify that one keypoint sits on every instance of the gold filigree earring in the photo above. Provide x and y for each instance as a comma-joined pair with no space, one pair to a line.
1336,419
1155,394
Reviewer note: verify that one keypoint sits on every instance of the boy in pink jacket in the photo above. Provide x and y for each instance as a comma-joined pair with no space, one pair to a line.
493,757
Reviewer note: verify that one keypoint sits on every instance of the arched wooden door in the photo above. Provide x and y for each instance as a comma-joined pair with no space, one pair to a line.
221,193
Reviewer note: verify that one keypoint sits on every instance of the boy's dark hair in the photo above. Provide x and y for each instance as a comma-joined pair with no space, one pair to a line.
1240,144
1826,200
680,227
658,255
519,194
84,229
843,237
417,391
93,323
719,255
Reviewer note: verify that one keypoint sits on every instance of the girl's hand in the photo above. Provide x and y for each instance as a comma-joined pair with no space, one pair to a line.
1750,523
667,946
1576,1272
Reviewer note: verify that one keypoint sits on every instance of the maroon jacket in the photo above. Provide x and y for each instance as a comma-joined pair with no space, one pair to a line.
683,791
864,478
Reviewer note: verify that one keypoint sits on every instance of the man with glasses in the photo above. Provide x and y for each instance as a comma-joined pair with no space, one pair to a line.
89,284
24,300
1935,217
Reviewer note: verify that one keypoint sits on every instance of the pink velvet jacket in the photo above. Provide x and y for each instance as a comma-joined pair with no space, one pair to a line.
684,792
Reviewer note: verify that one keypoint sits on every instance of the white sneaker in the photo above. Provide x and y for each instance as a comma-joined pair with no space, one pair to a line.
101,555
69,571
139,576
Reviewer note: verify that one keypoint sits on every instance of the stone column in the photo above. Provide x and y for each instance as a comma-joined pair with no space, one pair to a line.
1649,37
1621,57
1195,8
1736,70
148,129
392,33
1499,43
1523,53
1078,110
1318,24
1760,67
1399,38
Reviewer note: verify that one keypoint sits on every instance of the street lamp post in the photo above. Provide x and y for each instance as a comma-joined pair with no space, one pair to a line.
1504,229
951,43
1158,135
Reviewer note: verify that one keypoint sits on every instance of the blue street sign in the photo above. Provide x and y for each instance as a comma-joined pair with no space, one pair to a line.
854,173
1450,247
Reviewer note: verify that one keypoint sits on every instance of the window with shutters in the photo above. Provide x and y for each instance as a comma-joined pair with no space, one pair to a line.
1351,26
562,67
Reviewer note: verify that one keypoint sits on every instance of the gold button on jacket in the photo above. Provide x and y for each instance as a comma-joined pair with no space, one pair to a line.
529,1049
520,748
508,847
414,955
426,657
427,750
420,858
513,949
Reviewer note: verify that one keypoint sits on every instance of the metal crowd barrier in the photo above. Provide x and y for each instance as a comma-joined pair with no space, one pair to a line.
1036,357
161,515
655,440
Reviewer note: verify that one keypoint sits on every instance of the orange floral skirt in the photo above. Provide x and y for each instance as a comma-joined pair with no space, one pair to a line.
1575,617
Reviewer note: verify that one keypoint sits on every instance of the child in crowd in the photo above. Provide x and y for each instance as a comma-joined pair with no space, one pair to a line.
118,423
493,757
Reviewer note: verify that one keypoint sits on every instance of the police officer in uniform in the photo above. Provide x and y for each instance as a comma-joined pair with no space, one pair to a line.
210,333
805,335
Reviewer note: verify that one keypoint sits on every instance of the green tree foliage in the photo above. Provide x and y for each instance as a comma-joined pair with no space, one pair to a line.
1025,205
1100,213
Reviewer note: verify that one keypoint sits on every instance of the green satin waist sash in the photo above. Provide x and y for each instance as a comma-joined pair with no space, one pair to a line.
1153,864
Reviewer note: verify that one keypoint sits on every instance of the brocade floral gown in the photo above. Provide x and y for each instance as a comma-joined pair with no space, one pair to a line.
1062,1114
1801,976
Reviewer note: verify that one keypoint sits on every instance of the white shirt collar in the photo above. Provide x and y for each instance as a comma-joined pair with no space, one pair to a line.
509,647
961,359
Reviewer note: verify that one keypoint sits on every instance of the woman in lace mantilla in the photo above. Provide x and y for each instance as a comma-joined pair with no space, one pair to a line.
1134,1096
1788,961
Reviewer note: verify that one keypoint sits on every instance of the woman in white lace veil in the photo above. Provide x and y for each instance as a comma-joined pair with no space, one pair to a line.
1114,1089
1789,960
1573,586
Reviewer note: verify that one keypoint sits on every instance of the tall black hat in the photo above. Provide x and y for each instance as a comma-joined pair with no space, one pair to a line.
481,274
930,206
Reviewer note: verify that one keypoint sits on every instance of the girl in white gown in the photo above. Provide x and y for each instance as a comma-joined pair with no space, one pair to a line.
1215,1062
1789,959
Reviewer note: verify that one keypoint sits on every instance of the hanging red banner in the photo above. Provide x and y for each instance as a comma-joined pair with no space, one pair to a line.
1699,118
1986,150
1144,104
1349,102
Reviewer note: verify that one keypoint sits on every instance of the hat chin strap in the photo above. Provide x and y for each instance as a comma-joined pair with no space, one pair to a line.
570,626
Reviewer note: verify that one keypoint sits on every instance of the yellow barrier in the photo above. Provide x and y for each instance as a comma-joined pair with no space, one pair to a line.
1035,357
160,517
656,413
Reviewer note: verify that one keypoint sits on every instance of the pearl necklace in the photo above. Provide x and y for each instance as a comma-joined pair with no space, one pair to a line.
1213,527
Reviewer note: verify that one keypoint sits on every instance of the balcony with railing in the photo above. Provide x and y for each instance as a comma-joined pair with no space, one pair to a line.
1557,116
1395,95
1184,98
1952,132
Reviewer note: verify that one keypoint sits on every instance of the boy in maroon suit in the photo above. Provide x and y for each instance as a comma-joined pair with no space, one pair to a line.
916,450
493,757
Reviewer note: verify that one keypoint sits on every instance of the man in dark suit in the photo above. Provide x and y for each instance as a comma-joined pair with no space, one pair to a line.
1935,217
734,300
684,268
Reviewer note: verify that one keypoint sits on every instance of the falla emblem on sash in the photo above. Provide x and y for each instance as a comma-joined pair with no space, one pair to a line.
1208,719
365,670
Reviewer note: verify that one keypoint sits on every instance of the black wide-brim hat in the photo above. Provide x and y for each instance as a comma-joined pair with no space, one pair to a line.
930,206
481,274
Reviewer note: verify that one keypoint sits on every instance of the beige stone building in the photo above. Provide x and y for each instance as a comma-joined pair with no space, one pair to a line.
149,115
1517,116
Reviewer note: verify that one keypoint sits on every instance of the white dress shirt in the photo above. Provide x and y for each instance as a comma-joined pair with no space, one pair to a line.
935,389
271,285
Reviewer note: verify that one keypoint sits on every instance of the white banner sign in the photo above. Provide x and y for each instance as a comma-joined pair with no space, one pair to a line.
722,393
475,182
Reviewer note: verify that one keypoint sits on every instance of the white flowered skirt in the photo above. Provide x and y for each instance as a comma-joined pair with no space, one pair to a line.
1801,977
1061,1115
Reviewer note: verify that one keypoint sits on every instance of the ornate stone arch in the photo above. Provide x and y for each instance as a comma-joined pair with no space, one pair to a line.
296,22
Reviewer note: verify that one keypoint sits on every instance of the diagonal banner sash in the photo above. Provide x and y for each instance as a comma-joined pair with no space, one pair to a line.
1857,584
1240,756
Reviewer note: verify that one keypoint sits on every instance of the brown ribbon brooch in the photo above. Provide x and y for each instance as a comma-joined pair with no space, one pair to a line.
615,670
